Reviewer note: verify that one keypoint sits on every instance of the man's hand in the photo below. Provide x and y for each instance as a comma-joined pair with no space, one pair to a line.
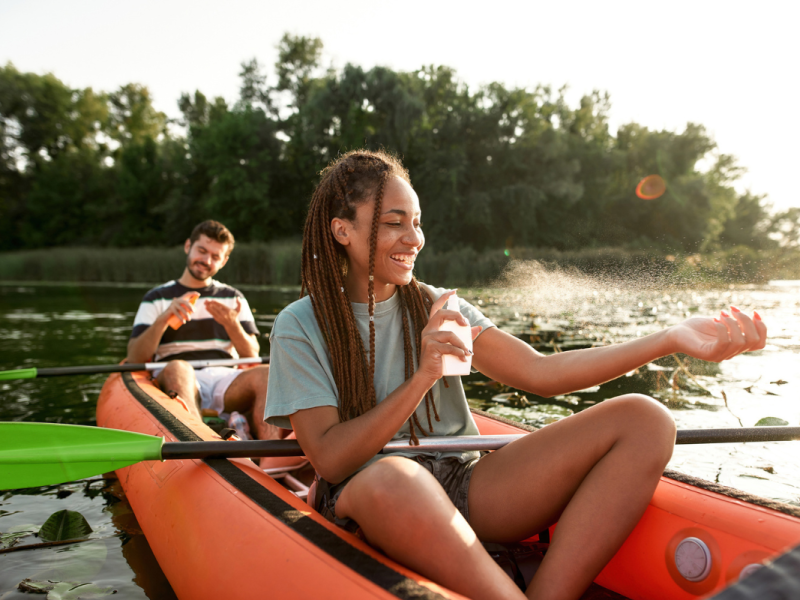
182,308
223,314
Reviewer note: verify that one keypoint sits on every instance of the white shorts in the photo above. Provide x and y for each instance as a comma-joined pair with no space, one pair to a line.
212,382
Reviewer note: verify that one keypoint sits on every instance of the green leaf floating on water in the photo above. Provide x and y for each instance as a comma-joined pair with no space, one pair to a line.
65,590
771,422
64,525
10,537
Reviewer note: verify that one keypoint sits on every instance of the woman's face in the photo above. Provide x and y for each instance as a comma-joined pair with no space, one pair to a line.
399,241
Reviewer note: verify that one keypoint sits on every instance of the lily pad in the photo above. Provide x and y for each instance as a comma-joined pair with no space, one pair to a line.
68,590
771,422
65,525
514,399
537,414
36,587
65,590
14,534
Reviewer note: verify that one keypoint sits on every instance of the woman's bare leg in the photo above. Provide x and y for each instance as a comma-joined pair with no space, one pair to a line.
405,512
593,472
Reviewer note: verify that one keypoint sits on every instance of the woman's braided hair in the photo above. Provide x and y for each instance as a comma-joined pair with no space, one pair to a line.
349,181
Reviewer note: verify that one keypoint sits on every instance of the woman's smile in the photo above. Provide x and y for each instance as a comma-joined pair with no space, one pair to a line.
404,261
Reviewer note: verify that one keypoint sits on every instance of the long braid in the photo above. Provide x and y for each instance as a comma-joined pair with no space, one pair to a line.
373,242
346,183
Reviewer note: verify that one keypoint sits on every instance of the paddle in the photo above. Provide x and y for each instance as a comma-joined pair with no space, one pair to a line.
33,372
34,454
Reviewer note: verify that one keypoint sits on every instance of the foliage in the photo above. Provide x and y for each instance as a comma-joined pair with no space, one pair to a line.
278,263
64,525
65,590
771,422
497,168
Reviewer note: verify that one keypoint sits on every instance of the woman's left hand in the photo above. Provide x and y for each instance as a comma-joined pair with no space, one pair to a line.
719,339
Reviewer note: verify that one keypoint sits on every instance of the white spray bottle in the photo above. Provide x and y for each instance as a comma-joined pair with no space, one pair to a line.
451,364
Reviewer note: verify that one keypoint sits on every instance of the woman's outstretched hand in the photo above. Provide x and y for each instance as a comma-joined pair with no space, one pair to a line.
719,339
436,344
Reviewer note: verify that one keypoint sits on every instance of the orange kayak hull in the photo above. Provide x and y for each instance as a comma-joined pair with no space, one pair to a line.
224,528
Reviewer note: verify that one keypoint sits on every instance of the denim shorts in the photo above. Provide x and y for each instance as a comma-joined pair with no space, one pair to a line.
452,475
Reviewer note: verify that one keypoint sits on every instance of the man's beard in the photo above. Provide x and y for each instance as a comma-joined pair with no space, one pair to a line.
197,274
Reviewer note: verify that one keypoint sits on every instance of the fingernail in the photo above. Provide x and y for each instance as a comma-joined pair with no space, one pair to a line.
756,316
724,314
734,309
717,320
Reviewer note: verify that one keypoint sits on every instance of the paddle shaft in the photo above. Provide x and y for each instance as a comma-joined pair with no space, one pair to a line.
280,448
125,368
34,454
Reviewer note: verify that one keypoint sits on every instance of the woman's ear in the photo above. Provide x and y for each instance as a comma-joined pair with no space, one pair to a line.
340,229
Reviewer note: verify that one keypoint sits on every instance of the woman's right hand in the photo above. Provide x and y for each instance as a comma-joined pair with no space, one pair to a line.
435,344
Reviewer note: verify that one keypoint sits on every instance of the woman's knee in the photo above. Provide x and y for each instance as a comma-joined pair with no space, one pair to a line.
643,417
394,485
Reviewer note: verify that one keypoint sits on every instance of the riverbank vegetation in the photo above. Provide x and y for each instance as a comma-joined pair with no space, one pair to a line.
500,172
278,263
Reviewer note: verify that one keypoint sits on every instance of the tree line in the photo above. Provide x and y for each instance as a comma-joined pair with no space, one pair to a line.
495,167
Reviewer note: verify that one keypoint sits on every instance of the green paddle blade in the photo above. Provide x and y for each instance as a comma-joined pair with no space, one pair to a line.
34,454
18,374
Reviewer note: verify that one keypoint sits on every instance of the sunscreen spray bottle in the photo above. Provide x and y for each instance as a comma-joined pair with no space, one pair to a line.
173,320
453,365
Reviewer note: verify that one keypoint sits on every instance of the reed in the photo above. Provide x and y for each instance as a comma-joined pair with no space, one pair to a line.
278,263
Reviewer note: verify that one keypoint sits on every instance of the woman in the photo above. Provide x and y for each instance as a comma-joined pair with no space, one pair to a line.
358,362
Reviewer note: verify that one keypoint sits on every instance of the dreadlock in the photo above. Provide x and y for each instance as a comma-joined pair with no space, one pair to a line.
346,183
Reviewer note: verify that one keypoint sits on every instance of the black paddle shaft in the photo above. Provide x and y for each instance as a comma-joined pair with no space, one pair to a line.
89,370
279,448
240,449
732,436
119,368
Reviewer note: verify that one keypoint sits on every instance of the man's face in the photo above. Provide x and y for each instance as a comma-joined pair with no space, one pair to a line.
205,257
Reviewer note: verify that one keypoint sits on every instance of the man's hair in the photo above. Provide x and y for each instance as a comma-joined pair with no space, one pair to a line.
213,230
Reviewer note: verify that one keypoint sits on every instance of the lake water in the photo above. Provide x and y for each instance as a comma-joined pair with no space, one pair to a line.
47,326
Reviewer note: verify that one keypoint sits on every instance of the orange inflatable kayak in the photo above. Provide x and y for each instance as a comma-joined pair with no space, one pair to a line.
214,521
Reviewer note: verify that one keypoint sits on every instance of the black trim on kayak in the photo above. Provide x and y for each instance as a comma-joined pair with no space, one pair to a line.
167,419
370,569
787,509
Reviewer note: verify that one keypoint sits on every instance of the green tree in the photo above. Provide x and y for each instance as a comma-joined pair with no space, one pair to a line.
298,59
132,117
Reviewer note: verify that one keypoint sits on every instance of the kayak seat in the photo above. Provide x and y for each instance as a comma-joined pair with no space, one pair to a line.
287,475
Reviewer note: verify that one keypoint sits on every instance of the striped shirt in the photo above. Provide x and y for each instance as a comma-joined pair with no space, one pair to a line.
202,337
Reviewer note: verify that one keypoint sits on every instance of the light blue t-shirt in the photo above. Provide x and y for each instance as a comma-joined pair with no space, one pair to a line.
301,377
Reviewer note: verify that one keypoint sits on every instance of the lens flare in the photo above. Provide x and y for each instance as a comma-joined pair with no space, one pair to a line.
651,187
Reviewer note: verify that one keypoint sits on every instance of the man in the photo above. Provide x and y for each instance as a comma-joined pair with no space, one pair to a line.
219,324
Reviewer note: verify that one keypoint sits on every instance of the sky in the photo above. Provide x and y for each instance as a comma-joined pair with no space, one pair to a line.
730,66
